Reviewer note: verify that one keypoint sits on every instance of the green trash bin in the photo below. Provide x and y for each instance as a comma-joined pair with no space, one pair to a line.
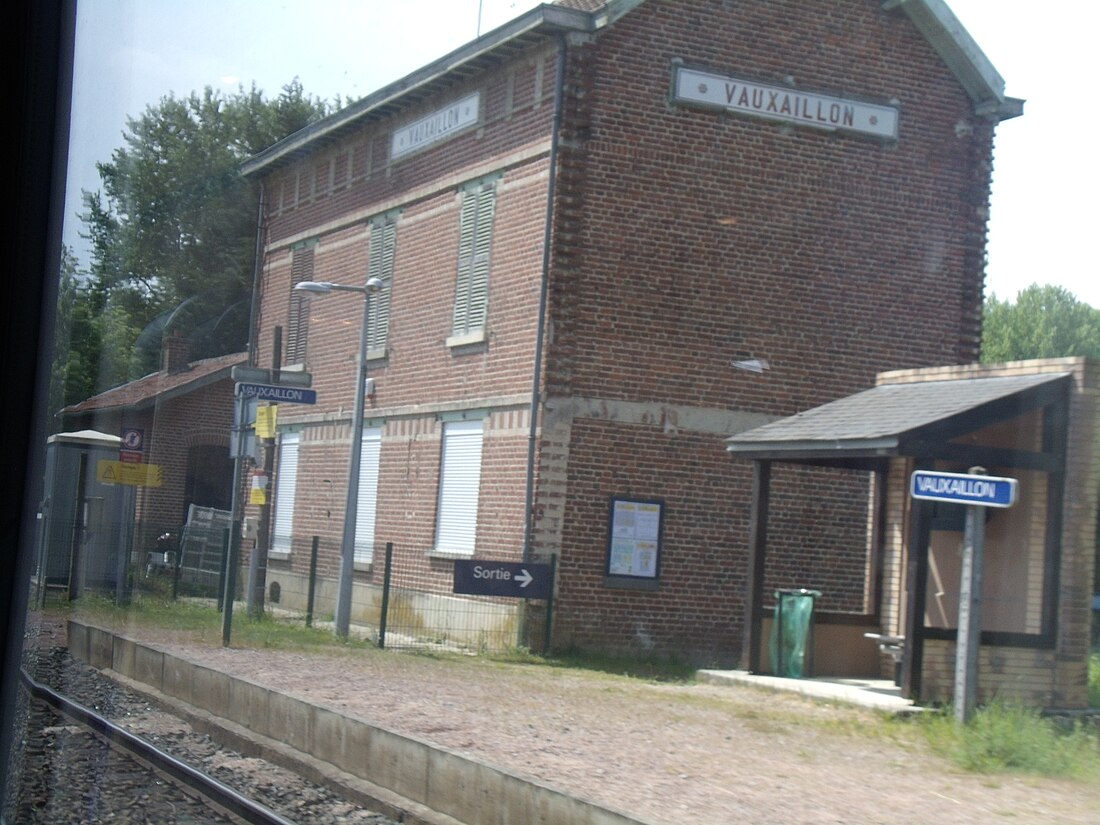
792,638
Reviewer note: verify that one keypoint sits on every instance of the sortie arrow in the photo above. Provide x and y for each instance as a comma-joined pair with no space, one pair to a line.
524,578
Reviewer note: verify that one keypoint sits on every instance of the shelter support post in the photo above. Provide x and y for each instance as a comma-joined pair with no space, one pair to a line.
758,543
920,533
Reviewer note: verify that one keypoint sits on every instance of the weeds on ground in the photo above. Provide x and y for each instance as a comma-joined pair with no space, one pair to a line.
1094,679
204,622
1007,738
648,668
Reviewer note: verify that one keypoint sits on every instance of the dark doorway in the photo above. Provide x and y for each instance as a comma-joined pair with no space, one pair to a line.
209,478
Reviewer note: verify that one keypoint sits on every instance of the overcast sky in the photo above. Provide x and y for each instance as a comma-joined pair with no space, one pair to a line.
131,53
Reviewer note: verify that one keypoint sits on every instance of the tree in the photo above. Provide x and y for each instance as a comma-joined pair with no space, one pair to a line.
173,230
1044,322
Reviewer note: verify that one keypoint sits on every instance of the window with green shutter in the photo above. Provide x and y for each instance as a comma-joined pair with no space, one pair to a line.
383,240
475,239
301,269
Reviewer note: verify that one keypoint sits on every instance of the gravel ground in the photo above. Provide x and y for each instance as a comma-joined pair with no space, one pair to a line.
700,754
66,775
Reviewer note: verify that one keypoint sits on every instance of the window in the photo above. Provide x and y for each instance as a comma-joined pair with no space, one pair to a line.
286,483
301,269
472,290
459,481
383,239
368,495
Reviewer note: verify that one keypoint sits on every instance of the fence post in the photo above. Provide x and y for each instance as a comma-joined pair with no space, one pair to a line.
231,580
312,582
385,597
550,607
221,570
178,565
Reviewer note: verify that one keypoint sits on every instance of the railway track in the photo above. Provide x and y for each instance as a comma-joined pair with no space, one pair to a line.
81,759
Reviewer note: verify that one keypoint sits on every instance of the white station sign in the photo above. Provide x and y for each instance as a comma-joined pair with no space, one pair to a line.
744,97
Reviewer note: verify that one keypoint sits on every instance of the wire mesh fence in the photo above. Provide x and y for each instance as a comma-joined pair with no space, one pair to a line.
399,605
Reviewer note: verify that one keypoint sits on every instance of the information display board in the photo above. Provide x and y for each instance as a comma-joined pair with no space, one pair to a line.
634,540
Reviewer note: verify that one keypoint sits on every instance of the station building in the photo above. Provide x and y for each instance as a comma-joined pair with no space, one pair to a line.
612,235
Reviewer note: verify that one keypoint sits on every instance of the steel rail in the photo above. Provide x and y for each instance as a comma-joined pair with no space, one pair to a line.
218,793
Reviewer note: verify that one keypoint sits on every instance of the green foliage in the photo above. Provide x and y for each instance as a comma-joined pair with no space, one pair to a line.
1044,322
1094,679
650,668
173,230
1005,738
202,622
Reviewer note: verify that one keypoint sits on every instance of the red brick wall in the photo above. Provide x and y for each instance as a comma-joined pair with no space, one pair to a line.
688,239
683,240
202,417
704,236
355,177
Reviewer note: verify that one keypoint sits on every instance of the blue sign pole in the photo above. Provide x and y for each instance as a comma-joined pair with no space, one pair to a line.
976,491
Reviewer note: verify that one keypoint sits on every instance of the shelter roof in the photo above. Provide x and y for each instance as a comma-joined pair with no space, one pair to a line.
896,419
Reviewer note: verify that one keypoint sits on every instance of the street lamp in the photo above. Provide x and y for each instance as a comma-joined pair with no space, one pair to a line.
347,544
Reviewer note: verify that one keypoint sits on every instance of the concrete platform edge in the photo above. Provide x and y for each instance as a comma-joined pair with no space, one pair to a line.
399,775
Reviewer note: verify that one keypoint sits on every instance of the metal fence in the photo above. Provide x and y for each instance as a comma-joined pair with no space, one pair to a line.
174,560
400,617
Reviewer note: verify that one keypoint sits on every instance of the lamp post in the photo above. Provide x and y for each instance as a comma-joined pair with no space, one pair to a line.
347,544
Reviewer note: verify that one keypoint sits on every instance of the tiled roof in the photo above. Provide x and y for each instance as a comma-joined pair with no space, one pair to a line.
884,412
146,390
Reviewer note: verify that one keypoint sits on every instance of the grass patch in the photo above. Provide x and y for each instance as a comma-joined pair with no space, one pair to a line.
203,622
648,668
1094,679
1006,738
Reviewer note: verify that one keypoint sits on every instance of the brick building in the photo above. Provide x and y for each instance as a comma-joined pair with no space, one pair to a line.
184,414
611,236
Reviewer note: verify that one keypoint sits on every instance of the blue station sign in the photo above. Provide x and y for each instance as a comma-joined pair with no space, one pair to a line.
280,394
963,488
519,580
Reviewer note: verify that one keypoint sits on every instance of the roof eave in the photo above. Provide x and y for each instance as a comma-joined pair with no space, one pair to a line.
982,82
220,374
552,19
861,447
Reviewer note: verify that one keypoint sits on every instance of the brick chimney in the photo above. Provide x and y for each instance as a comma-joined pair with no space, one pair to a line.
175,354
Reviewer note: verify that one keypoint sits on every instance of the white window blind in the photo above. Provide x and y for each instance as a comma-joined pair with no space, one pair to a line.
368,495
459,482
286,483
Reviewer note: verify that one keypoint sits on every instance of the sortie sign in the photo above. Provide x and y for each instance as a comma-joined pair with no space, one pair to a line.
962,488
502,578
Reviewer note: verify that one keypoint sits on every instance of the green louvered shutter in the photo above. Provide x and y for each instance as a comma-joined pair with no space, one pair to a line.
380,264
475,241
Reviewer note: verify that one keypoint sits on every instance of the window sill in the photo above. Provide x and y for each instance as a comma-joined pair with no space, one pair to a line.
450,554
465,339
277,555
363,566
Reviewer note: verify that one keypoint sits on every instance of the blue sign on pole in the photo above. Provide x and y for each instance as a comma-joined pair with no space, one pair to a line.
502,578
280,394
963,488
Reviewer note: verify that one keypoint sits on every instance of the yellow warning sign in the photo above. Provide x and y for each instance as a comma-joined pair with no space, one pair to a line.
138,475
265,421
